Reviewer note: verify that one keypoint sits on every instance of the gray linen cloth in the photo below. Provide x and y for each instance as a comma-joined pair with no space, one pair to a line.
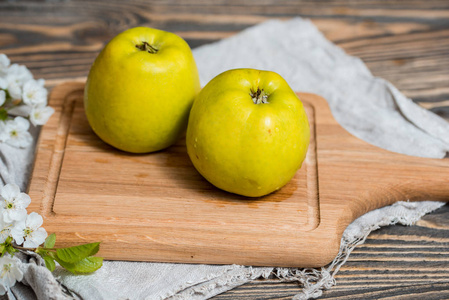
368,107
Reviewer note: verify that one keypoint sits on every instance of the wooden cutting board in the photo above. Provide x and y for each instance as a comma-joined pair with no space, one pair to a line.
157,207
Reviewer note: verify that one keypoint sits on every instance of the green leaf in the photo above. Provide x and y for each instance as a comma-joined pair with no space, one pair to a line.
49,263
6,247
68,266
87,265
11,250
50,241
3,114
77,253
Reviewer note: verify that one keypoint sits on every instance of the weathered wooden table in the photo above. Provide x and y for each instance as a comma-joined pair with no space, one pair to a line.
405,42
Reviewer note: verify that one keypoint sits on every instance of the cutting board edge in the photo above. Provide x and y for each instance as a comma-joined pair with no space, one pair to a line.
342,219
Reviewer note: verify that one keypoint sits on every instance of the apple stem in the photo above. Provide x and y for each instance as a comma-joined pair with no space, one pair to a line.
147,47
259,96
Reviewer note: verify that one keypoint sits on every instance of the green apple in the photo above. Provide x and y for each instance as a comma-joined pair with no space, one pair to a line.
140,90
248,132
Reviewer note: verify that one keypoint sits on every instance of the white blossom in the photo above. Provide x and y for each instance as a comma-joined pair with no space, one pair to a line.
14,88
13,203
40,114
9,273
3,83
5,229
15,132
20,73
41,82
34,94
2,97
26,100
30,231
4,64
3,134
17,76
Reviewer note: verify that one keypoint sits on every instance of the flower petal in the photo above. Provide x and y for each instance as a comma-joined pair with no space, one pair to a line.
40,115
3,224
22,123
10,191
19,227
34,93
6,217
34,221
17,273
12,273
2,95
38,236
23,200
3,83
20,73
4,134
41,81
29,243
14,90
17,214
4,235
4,61
8,279
2,289
17,234
23,140
21,110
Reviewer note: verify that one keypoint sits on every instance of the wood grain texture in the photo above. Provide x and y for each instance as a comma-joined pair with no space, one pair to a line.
397,262
60,40
85,189
403,41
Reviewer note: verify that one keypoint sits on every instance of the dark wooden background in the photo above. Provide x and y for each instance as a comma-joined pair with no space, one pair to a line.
403,41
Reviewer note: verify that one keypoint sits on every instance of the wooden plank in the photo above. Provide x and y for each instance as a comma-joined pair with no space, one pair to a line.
92,23
390,36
